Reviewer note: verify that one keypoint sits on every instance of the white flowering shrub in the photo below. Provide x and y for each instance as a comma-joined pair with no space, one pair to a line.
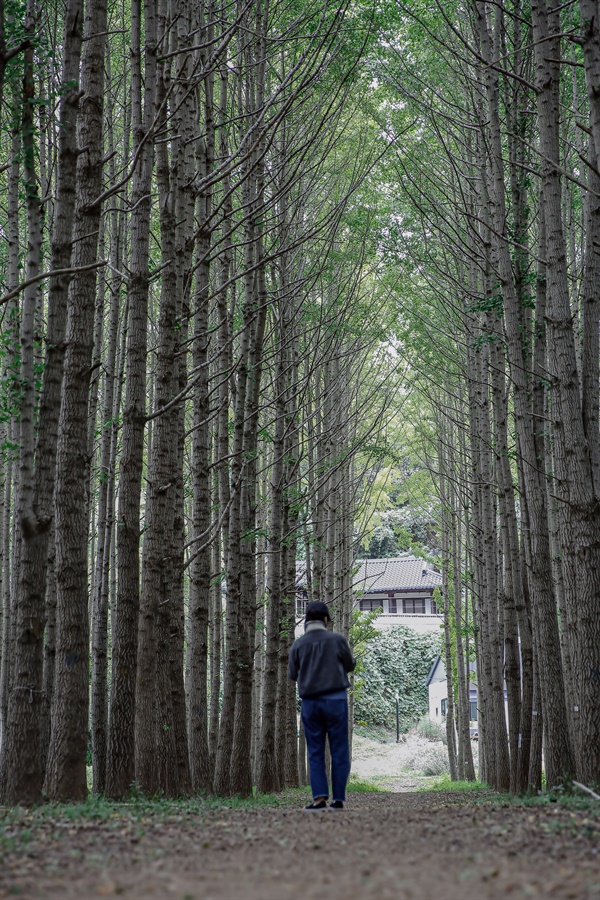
428,759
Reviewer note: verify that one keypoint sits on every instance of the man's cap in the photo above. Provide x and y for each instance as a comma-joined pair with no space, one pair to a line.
316,609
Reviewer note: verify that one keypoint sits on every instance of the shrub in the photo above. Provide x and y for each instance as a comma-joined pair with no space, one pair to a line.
431,731
443,783
429,760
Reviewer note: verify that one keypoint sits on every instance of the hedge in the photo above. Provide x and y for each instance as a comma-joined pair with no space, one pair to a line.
397,659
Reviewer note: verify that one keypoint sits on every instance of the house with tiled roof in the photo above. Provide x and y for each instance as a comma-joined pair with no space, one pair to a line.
401,587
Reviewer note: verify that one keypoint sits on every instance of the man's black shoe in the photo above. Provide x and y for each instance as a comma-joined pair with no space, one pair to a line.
337,804
316,805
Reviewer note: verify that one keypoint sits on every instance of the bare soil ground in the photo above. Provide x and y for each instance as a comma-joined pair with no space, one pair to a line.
423,846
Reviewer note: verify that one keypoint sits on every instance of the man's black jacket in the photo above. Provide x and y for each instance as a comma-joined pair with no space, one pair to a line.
319,662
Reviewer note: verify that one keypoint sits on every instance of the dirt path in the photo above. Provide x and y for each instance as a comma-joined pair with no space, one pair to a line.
423,846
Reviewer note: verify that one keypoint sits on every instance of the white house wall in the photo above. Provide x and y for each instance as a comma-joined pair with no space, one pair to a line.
421,623
438,691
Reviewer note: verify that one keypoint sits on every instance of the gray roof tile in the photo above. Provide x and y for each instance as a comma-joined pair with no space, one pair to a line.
396,573
408,572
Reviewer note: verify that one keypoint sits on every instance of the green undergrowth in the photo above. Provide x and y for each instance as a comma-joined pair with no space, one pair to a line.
443,783
20,825
138,807
482,793
363,786
556,798
376,733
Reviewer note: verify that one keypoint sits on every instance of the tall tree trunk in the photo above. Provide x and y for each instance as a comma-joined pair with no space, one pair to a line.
99,695
267,779
446,587
544,618
465,756
290,763
66,770
580,535
510,569
10,369
200,574
121,753
20,763
155,740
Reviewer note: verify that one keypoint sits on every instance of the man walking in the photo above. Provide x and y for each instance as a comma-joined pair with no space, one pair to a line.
320,661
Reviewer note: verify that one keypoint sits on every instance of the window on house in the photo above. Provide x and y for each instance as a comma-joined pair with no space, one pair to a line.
434,609
473,710
393,605
370,605
444,706
301,600
416,606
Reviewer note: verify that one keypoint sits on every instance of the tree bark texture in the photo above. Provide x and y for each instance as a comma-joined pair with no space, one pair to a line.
66,770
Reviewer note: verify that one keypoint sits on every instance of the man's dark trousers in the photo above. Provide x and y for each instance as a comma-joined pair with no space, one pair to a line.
322,717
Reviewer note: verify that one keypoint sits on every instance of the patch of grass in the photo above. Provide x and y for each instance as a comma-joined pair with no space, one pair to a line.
443,783
363,786
289,797
19,825
138,807
376,733
482,793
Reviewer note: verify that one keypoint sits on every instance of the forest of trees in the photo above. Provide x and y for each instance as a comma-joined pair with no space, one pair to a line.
254,253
